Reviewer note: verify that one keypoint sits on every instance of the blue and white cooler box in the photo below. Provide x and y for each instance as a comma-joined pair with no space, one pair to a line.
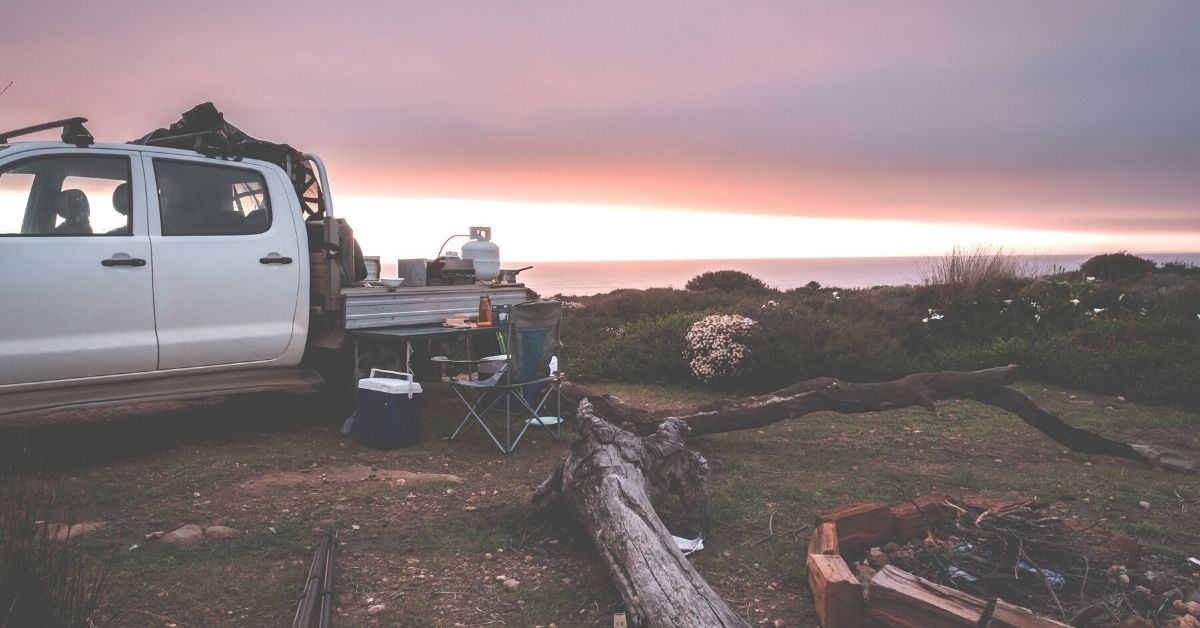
389,410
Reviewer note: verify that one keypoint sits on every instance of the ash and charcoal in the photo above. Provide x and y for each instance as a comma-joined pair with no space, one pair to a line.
1027,556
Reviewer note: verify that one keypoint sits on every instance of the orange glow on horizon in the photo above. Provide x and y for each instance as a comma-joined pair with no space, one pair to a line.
414,227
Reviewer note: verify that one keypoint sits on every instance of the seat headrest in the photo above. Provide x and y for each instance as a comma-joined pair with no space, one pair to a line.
121,199
73,205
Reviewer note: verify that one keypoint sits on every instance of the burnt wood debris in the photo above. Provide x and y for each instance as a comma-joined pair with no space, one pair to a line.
628,459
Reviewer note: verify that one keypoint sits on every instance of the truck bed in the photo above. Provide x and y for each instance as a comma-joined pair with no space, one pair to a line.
367,308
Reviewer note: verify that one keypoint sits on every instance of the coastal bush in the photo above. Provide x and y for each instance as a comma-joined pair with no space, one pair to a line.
1138,337
727,281
1120,265
648,350
630,305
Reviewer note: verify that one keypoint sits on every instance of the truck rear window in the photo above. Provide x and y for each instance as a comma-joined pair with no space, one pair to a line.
203,199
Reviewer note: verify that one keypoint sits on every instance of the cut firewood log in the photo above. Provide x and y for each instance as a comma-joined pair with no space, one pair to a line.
824,539
921,389
902,600
860,526
837,595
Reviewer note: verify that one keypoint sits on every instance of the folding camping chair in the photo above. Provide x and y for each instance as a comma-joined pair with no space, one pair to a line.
520,383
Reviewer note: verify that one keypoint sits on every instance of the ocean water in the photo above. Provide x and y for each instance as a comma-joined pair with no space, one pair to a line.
587,278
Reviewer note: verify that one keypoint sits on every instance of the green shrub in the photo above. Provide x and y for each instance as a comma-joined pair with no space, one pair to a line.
1117,266
727,281
649,350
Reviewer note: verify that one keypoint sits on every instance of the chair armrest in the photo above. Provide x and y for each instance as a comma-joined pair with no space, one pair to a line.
441,359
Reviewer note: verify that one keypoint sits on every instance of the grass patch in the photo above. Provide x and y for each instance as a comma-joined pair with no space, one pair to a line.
474,537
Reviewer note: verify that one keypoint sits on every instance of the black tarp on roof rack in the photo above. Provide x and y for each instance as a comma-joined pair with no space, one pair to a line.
203,129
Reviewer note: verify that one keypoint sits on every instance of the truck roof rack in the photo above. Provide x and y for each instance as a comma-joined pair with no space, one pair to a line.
207,143
73,131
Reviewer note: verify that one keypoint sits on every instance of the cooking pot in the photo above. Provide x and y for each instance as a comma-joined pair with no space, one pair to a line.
510,276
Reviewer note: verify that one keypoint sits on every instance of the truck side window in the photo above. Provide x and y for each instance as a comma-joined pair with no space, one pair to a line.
203,199
64,195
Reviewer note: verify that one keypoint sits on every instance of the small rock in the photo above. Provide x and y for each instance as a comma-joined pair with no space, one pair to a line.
154,536
376,609
185,536
1124,580
488,556
865,573
1183,621
1144,505
1158,582
1193,608
501,578
221,532
62,531
1087,500
877,559
1072,397
1120,399
511,584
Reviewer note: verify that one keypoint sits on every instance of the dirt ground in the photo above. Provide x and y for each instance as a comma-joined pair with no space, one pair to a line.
437,550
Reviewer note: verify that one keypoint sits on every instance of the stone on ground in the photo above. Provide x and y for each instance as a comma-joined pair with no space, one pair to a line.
185,536
221,532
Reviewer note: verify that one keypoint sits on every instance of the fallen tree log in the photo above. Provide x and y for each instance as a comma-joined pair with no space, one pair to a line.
628,459
922,389
606,481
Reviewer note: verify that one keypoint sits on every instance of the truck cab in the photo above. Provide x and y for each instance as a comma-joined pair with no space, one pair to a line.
140,273
121,261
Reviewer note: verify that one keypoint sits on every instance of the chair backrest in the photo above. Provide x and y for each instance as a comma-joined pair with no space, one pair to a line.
532,340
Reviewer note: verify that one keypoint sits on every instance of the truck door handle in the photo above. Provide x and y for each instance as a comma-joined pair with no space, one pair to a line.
123,261
274,260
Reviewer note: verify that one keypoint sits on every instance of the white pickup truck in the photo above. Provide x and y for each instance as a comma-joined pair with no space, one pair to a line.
134,273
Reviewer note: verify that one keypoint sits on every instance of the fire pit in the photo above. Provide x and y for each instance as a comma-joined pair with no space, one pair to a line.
969,561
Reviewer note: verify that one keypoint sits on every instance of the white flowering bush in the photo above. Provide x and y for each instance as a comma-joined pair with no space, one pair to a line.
714,349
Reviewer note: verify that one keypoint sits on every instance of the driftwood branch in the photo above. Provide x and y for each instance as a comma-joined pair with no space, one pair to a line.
922,389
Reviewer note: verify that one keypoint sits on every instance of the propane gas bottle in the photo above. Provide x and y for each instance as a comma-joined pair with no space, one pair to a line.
483,253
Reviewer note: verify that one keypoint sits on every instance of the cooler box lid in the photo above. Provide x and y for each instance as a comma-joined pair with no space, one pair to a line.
390,385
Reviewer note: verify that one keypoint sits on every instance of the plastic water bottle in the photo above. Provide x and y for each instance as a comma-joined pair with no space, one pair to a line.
619,620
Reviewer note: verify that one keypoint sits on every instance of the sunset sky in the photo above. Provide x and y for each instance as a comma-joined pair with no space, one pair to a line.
633,130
